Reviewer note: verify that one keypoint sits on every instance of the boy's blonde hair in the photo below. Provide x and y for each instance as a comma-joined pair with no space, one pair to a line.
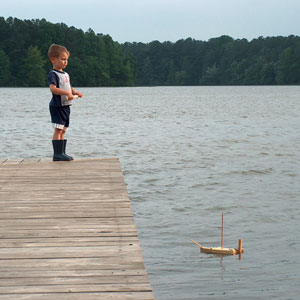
55,50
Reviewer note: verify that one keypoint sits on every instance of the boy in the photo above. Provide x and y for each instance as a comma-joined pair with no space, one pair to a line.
62,96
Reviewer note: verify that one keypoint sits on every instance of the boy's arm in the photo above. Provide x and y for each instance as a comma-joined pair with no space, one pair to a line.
57,91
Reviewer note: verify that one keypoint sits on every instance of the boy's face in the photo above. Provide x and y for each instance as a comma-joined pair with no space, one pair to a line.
60,62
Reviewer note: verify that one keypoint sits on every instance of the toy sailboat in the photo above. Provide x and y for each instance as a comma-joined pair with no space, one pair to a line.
221,250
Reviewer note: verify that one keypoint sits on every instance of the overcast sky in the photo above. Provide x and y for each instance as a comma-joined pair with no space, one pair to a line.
165,20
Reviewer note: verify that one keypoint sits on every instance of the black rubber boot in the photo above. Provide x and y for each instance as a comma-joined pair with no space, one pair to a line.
64,150
58,146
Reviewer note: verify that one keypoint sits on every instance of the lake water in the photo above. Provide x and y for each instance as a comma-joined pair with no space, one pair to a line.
190,154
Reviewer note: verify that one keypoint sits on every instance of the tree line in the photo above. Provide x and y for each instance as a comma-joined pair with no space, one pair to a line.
97,60
218,61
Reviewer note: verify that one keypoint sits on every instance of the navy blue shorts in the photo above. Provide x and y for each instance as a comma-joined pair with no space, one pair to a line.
60,116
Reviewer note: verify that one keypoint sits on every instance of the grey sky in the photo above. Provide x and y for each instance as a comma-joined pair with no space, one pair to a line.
165,20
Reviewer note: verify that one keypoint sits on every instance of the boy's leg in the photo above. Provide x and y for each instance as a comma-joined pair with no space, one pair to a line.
63,134
58,143
58,134
60,117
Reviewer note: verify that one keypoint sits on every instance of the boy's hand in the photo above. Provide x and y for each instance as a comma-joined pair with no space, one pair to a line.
70,96
80,95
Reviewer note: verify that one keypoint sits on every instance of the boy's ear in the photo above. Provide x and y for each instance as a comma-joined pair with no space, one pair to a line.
51,59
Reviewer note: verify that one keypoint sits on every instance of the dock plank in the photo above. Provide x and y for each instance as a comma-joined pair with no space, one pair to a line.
80,296
67,231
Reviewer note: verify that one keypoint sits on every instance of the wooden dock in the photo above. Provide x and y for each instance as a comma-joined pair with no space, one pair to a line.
67,232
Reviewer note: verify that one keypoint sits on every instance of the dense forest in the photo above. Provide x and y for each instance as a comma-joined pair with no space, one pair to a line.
97,60
219,61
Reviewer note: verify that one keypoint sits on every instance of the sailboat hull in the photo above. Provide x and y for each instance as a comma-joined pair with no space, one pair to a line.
219,250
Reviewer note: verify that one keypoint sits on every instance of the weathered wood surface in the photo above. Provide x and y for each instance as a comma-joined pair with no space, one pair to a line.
67,232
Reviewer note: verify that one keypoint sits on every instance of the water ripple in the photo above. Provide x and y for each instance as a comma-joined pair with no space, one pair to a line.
188,155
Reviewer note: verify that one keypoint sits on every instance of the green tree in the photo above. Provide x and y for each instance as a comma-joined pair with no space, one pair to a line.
78,69
103,62
33,73
147,71
210,75
180,77
287,68
172,72
268,74
5,75
252,74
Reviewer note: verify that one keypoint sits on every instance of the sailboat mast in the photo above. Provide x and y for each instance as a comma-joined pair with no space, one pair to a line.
222,230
